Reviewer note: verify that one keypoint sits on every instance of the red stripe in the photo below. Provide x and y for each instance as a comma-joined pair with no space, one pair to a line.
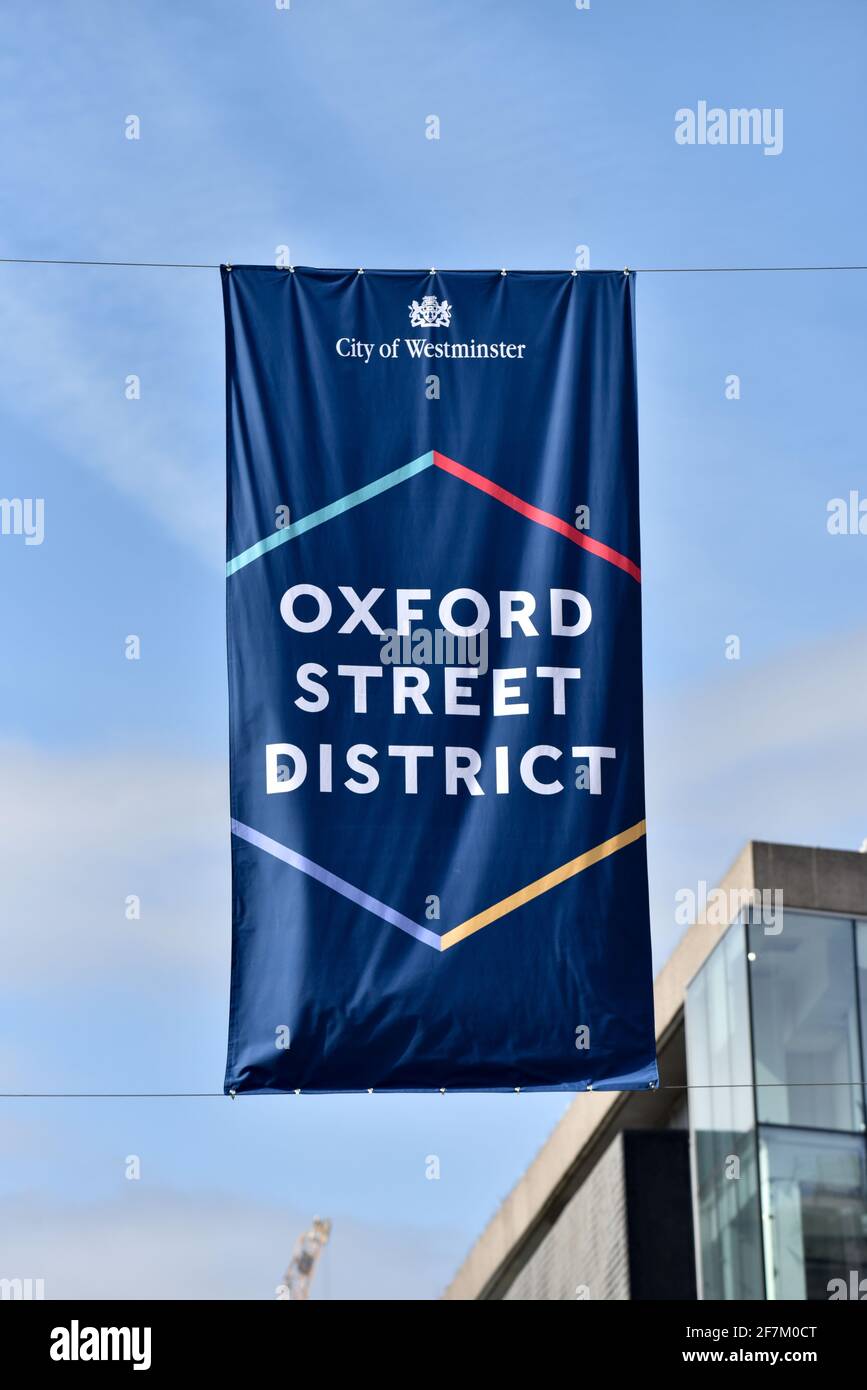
553,523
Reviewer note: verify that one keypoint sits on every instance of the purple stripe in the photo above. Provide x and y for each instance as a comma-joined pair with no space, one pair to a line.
339,885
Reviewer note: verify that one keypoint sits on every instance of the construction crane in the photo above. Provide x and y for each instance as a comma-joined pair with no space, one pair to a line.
302,1266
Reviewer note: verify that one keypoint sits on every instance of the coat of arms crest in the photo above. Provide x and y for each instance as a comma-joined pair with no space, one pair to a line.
430,313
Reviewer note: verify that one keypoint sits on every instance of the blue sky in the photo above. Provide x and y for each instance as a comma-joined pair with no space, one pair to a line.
306,127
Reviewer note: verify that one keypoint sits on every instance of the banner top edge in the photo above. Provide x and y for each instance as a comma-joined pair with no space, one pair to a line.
419,270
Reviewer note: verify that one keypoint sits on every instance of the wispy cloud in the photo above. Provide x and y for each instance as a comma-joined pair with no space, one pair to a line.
171,1245
81,833
776,751
63,375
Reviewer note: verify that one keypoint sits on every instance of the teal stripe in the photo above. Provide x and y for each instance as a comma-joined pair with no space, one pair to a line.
344,504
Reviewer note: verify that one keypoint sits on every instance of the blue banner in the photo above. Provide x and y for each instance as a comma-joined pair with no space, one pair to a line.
434,648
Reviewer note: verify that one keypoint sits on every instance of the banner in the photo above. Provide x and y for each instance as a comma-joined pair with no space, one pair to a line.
434,649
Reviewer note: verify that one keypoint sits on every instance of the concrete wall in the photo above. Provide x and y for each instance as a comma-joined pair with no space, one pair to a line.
588,1248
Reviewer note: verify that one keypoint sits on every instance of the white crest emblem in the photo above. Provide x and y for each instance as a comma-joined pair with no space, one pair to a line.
430,313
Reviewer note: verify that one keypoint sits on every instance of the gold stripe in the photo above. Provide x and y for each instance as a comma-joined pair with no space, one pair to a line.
542,885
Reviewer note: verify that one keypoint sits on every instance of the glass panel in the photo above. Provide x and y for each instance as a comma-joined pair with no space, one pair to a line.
861,930
805,1023
722,1135
814,1211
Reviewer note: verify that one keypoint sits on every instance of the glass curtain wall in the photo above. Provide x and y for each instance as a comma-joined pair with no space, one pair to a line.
722,1125
780,1171
808,1048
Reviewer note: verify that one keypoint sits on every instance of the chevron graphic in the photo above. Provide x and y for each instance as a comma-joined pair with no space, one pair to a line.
433,459
583,861
464,929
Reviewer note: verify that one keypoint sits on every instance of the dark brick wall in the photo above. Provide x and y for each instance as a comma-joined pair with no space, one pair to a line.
659,1214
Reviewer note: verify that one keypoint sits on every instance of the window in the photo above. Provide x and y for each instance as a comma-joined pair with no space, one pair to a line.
814,1210
861,940
780,1175
805,1023
722,1124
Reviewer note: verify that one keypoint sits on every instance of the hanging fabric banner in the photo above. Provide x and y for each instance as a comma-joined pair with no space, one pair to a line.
434,643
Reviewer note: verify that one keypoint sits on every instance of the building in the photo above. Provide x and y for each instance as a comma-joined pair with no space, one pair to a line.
752,1183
